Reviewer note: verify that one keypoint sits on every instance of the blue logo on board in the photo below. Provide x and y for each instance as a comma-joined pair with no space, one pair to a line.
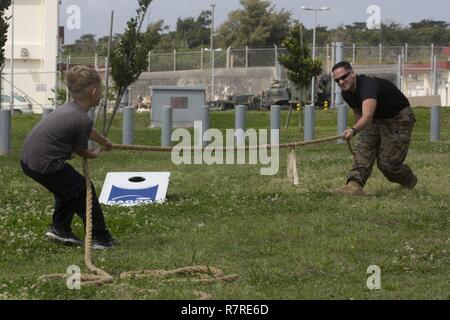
132,196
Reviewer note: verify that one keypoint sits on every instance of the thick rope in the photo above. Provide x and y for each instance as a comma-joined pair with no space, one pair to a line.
266,146
102,276
203,274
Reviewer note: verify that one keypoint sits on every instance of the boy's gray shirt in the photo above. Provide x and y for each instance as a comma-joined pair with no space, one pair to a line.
56,137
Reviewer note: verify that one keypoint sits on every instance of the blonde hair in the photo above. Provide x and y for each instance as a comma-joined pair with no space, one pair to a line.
81,78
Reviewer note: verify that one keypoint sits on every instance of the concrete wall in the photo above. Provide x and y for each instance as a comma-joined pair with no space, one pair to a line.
226,81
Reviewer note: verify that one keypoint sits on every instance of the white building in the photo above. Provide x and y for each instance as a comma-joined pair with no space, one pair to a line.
35,51
419,81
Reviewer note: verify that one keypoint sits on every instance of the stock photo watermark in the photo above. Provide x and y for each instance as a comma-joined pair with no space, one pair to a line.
222,149
73,21
374,17
374,281
74,277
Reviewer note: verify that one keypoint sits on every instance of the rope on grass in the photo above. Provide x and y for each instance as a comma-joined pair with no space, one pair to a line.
202,274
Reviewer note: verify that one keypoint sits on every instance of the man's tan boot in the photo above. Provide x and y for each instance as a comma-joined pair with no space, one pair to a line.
352,188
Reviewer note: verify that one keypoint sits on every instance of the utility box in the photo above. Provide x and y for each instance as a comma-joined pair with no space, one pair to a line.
185,101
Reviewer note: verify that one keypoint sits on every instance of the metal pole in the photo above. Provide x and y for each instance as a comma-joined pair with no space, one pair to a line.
314,58
406,53
5,131
240,125
434,76
435,126
246,57
339,57
57,55
67,69
399,72
354,54
275,119
12,59
380,54
201,58
204,116
174,59
166,126
342,110
342,120
149,69
276,54
333,85
128,124
108,59
328,58
212,51
309,123
432,54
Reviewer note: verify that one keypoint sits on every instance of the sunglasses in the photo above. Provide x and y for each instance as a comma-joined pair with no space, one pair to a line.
343,77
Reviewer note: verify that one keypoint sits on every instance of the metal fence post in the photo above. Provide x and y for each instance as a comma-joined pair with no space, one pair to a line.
5,131
339,57
205,118
435,125
275,120
380,53
240,125
342,120
166,126
246,57
149,68
309,123
128,125
175,60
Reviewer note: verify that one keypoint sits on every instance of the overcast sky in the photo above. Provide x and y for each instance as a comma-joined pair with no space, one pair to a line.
95,14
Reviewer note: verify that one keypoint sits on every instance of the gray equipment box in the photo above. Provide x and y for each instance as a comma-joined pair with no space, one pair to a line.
185,101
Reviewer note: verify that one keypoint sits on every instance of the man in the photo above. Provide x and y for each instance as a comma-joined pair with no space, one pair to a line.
384,121
53,141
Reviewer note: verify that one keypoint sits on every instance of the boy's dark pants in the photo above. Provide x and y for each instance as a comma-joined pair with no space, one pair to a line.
68,187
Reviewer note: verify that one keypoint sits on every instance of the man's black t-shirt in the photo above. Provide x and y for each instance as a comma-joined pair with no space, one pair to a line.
390,100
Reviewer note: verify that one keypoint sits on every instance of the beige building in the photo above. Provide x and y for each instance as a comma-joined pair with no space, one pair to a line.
418,81
35,50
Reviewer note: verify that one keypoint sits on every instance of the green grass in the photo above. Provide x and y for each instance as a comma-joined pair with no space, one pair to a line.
284,241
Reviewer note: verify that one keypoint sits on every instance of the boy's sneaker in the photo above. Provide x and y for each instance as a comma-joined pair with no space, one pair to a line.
103,240
65,237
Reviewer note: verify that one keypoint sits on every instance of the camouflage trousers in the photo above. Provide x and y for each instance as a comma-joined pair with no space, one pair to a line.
387,142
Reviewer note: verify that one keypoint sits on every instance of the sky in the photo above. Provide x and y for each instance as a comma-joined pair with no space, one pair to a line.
93,16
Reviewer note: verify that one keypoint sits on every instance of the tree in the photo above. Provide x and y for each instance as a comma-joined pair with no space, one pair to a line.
298,61
430,31
4,5
129,58
193,33
257,24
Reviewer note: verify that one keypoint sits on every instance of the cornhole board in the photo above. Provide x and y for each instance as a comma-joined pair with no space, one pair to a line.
134,188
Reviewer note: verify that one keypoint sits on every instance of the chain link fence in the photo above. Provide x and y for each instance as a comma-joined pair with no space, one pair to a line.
267,57
416,62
